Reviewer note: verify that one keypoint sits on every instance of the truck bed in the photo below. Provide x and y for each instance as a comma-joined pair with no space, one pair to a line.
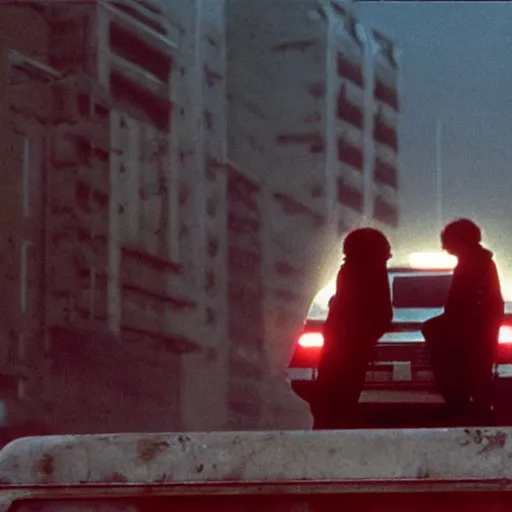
464,469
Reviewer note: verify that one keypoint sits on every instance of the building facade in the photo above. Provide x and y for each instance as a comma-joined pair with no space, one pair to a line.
176,178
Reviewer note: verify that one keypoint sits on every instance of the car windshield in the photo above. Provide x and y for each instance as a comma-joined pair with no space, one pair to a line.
408,291
430,291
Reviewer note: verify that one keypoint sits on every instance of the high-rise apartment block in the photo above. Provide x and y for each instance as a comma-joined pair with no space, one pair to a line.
175,175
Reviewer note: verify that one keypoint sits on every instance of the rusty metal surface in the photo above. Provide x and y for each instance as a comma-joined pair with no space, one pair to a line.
483,455
449,469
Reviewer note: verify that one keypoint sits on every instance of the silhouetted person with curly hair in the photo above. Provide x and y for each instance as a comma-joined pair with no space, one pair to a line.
464,339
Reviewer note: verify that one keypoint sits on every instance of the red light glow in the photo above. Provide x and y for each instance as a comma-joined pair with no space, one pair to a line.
311,340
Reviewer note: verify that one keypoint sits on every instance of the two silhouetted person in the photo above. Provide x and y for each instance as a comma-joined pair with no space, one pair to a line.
464,339
359,314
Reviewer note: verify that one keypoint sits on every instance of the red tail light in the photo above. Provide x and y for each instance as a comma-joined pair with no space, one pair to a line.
312,340
308,350
505,334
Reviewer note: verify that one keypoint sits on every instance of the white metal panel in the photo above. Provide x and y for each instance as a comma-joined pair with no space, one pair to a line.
426,455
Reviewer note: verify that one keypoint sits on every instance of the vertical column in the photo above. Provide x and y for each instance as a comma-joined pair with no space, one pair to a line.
102,47
331,161
369,111
114,245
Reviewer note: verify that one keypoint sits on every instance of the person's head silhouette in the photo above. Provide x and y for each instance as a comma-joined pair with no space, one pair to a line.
461,237
367,245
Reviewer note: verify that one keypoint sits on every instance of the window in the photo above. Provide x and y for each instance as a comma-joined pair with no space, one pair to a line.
350,70
386,94
349,112
350,196
384,133
135,49
385,172
22,345
385,212
350,154
25,178
25,246
21,391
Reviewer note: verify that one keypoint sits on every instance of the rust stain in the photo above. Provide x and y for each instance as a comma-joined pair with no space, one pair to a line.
115,478
317,90
213,246
212,41
211,319
487,440
253,108
211,76
149,449
46,465
208,119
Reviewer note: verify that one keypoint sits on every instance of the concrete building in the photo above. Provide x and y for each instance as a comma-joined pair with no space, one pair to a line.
312,118
175,178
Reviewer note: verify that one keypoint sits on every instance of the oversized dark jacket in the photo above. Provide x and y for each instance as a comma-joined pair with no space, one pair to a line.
361,311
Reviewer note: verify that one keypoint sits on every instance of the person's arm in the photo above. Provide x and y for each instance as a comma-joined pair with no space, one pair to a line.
457,296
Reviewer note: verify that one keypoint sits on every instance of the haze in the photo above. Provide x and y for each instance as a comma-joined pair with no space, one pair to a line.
456,66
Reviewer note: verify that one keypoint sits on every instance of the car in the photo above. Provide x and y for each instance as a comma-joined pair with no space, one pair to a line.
399,379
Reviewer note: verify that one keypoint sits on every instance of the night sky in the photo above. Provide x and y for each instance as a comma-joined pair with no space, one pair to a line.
456,61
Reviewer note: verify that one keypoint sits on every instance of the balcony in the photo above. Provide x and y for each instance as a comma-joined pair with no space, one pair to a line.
385,212
350,154
385,173
350,196
386,94
384,133
350,70
349,112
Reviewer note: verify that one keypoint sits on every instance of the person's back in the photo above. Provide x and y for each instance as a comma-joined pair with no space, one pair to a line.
475,295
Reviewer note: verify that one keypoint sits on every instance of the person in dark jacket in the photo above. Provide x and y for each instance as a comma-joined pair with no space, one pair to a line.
463,340
359,314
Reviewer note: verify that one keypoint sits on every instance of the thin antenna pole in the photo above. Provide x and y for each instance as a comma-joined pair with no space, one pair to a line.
439,176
